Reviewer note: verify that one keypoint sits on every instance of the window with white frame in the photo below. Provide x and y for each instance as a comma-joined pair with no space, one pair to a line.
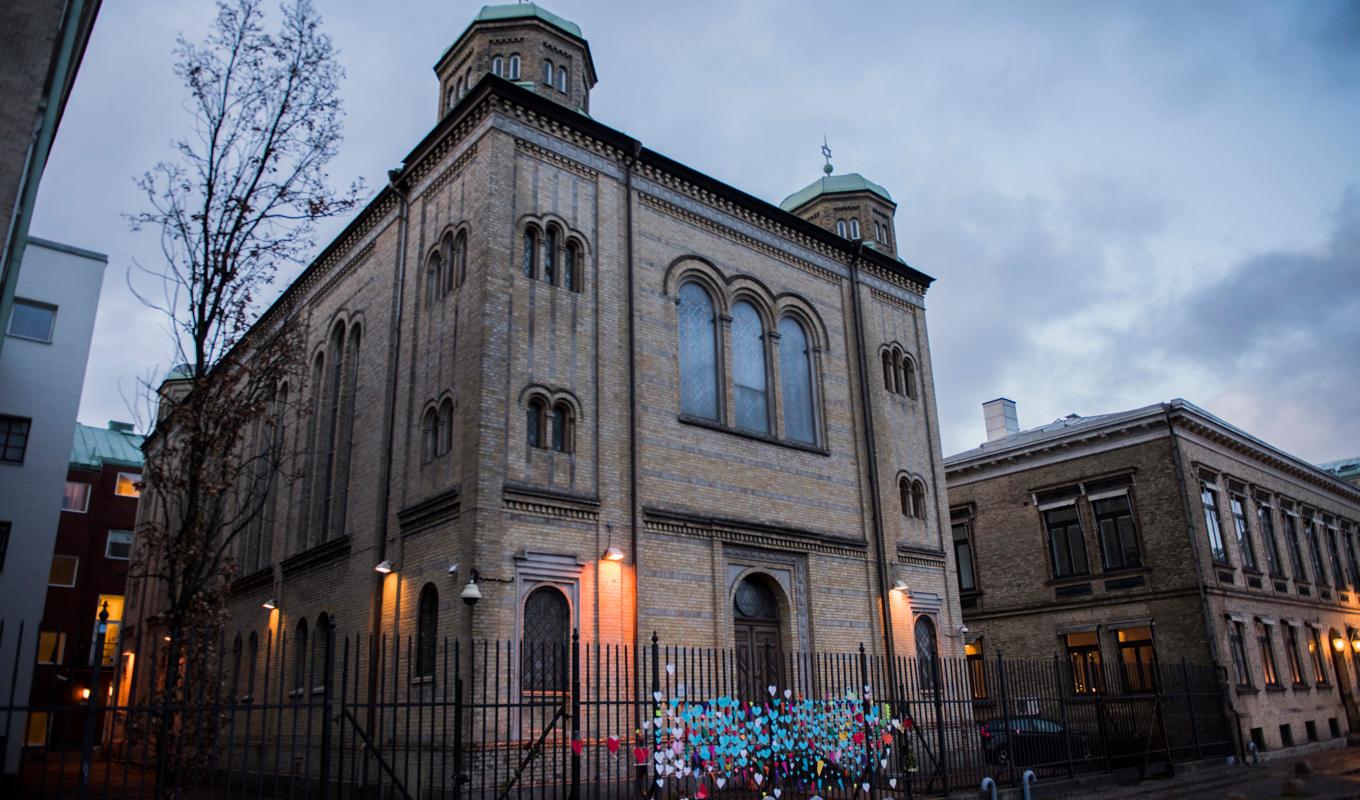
119,545
63,571
126,486
76,497
32,320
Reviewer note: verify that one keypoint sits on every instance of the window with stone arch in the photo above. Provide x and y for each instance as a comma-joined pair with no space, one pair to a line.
498,66
563,427
698,347
427,626
530,255
300,656
918,499
927,653
749,371
535,418
320,640
571,266
796,382
543,650
514,66
904,495
548,72
854,228
562,79
552,240
429,435
840,228
444,427
434,277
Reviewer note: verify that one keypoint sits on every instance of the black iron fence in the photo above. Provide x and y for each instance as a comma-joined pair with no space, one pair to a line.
340,716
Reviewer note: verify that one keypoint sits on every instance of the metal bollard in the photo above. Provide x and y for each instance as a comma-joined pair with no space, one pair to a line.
1255,754
1026,779
988,783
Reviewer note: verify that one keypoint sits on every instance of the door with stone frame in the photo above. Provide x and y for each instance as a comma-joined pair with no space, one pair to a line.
756,628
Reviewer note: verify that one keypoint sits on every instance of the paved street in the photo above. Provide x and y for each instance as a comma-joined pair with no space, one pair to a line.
1336,774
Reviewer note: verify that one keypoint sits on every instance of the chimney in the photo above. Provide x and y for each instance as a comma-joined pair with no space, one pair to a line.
999,414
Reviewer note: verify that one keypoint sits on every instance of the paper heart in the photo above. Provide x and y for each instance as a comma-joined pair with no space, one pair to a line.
701,793
892,783
577,746
720,782
612,744
670,669
640,755
758,778
865,787
657,695
771,688
883,762
778,792
788,693
660,782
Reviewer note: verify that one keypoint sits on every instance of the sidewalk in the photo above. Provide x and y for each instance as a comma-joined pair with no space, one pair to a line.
1336,774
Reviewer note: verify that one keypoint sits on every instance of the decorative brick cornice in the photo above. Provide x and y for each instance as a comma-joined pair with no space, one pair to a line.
680,523
540,502
452,171
556,159
884,297
437,510
920,557
317,556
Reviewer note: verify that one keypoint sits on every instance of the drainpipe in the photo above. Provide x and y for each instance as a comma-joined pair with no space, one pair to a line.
632,386
389,435
874,494
1199,575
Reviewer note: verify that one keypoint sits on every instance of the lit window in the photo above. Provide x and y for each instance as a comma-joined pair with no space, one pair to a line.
1083,657
977,669
63,572
112,625
1291,649
38,724
1265,640
1137,660
76,497
514,66
51,647
1315,649
127,485
13,439
119,546
497,66
33,321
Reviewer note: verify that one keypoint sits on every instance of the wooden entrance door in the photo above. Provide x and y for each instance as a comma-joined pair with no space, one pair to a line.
756,628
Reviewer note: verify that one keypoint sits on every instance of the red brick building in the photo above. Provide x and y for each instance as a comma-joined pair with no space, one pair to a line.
89,570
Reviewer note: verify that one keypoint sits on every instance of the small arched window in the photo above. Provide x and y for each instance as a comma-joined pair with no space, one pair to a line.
530,252
498,66
544,650
562,79
908,377
748,368
458,92
514,66
854,228
429,435
453,98
904,496
320,640
918,500
795,376
300,656
927,653
533,423
698,353
446,256
840,227
571,260
888,371
548,72
562,428
427,626
433,276
459,258
550,245
445,426
467,80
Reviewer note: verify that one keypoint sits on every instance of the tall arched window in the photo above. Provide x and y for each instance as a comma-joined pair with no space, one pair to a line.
918,499
748,368
530,252
551,241
433,275
908,377
427,625
898,384
548,72
854,228
332,425
252,653
458,92
904,496
344,434
546,628
460,258
440,432
237,653
571,261
795,377
497,66
698,353
514,66
927,653
561,428
300,656
888,371
840,227
562,79
320,640
533,423
445,426
314,439
429,435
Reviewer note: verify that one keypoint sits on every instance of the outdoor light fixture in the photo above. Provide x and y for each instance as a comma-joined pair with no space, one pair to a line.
612,553
85,693
1339,644
471,594
1355,644
270,604
384,567
901,586
167,637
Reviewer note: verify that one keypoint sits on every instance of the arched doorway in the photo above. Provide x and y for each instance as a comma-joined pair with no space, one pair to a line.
547,622
756,628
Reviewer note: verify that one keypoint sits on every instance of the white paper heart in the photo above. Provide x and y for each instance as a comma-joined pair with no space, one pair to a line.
883,762
865,787
720,782
660,782
771,689
758,778
670,669
656,696
778,792
788,693
892,783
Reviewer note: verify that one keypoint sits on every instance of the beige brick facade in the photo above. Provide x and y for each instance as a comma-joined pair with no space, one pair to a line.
1161,458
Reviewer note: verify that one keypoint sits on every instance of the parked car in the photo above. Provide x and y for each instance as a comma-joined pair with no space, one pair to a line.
1031,740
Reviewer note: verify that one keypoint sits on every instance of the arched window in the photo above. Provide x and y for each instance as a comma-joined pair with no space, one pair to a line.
446,277
467,80
904,496
300,656
908,377
453,98
571,260
429,435
562,79
252,653
530,252
427,625
840,227
918,500
497,66
927,653
878,237
237,653
748,368
445,426
458,92
550,245
333,447
460,247
433,275
562,428
888,371
514,66
795,377
698,353
320,640
440,432
854,228
548,72
546,623
533,423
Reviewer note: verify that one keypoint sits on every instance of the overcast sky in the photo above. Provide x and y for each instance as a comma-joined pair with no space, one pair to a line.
1120,202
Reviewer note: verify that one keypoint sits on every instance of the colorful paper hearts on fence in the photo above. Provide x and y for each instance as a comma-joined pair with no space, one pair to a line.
612,744
577,746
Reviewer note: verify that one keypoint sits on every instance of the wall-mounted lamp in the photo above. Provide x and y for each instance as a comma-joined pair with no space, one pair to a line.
270,604
1339,644
84,693
612,553
1355,644
471,594
384,566
901,586
963,630
453,570
167,637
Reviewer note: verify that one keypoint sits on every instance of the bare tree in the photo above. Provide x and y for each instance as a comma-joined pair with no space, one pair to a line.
239,200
